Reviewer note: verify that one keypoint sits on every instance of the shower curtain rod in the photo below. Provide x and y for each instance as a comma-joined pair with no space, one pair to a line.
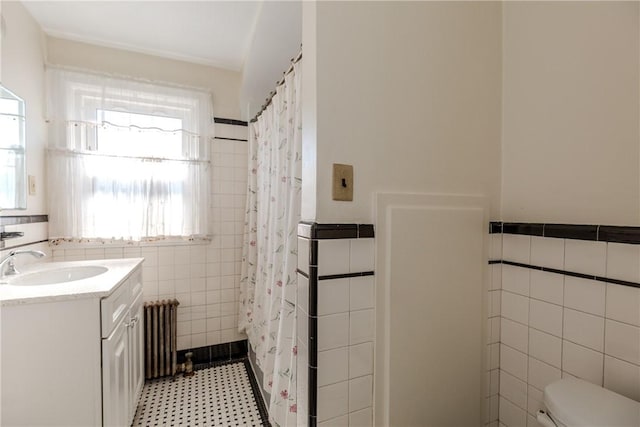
278,83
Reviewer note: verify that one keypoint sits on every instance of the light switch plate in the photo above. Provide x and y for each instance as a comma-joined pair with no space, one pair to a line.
342,182
32,185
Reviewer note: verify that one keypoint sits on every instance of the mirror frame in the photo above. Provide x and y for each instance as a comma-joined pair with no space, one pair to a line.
19,194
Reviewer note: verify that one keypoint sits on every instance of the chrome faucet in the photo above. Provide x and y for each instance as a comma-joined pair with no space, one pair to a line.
10,266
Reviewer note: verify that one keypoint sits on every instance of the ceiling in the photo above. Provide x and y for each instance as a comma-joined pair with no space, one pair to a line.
216,33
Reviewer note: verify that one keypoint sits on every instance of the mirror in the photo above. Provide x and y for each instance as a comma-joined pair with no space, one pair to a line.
13,189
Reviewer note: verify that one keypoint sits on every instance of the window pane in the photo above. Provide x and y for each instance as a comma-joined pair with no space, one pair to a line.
141,135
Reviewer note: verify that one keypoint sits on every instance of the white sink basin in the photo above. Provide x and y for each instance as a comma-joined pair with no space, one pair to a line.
60,275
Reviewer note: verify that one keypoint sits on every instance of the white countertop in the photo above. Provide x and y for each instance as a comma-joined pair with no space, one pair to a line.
94,287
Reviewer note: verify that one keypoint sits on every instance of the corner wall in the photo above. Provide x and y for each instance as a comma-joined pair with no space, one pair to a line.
571,147
410,94
571,112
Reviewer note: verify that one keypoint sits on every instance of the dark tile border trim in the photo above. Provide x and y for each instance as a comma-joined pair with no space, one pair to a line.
23,219
597,233
568,273
6,248
312,333
224,121
617,234
517,228
314,230
346,275
230,139
495,227
216,353
262,408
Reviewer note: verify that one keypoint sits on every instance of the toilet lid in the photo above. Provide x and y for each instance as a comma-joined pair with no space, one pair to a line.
574,402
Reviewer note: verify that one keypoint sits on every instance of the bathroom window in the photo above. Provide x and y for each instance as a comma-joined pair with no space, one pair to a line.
128,160
121,134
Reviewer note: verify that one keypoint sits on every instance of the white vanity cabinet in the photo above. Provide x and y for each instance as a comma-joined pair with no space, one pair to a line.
122,352
76,359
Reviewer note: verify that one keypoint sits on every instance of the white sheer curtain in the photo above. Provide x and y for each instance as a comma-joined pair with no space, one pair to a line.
127,160
268,284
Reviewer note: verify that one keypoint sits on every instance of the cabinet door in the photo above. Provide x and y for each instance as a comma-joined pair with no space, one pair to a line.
136,354
115,377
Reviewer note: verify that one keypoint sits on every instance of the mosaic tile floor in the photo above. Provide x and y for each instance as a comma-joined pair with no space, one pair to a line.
222,395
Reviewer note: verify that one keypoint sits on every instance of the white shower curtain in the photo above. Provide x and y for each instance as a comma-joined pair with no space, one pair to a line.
269,262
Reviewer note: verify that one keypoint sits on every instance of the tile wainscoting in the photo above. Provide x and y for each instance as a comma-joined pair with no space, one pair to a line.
36,236
564,302
335,315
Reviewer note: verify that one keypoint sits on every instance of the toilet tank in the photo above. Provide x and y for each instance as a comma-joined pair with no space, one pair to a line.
577,403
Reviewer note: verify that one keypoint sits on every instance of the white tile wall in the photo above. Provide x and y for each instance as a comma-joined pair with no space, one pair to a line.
622,377
623,341
515,307
514,335
516,247
33,232
512,415
515,279
361,293
360,393
545,347
582,362
584,295
333,401
361,255
333,296
303,254
623,262
333,330
513,389
494,306
205,278
360,360
545,317
361,418
547,286
333,366
514,362
333,256
572,326
622,304
547,252
584,329
345,333
585,257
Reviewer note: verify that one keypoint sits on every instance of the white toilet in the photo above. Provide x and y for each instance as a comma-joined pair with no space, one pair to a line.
576,403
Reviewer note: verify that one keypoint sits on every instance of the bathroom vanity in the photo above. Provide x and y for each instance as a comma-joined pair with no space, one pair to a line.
71,352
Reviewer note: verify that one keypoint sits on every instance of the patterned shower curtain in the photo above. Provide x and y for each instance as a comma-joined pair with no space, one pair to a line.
269,260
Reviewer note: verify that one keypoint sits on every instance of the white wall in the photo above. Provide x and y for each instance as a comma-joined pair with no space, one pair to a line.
23,52
571,118
276,40
409,93
224,85
554,326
